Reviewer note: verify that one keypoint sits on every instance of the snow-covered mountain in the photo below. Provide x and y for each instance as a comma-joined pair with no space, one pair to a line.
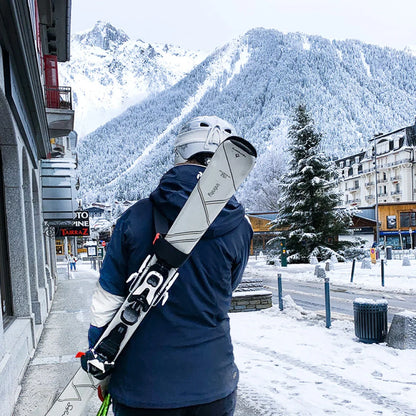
352,90
109,72
411,49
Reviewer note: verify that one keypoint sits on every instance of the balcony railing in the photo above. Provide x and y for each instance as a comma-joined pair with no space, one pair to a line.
353,188
58,97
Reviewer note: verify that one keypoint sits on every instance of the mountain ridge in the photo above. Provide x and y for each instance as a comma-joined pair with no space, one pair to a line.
109,72
353,90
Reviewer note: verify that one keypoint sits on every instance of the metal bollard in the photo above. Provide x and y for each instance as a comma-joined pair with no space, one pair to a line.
382,273
352,270
327,303
279,290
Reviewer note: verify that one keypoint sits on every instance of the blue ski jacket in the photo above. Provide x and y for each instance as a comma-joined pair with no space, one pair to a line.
181,355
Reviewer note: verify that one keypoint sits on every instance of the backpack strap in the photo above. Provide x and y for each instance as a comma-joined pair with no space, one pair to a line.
160,222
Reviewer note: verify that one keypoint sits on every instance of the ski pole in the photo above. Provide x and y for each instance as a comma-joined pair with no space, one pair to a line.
105,406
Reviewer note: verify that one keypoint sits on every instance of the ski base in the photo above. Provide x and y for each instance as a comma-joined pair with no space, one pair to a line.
76,395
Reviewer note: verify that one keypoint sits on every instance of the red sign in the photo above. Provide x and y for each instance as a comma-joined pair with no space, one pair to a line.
80,226
70,231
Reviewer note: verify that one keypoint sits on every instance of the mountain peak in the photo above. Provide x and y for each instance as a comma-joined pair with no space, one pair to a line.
104,35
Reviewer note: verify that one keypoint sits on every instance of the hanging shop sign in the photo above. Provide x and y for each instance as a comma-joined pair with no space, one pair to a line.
80,226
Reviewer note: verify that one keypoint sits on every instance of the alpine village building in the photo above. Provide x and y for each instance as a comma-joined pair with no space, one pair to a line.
394,204
380,183
35,111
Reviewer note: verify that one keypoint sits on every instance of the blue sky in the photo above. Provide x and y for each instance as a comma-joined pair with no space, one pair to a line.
207,24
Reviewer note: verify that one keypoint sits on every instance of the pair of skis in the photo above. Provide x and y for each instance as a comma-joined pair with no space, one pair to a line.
230,165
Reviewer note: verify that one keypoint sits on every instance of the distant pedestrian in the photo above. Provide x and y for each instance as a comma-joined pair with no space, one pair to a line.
73,262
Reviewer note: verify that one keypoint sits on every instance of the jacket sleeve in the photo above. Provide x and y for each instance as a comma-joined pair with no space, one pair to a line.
110,291
104,306
114,271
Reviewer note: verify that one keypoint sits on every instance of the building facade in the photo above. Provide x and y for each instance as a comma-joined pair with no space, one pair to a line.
34,37
261,223
395,162
383,178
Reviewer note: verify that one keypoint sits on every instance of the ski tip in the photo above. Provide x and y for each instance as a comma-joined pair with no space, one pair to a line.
80,354
243,144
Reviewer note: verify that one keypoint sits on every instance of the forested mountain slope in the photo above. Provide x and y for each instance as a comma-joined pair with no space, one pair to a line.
352,90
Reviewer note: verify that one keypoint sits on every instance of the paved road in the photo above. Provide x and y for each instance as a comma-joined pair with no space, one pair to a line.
311,296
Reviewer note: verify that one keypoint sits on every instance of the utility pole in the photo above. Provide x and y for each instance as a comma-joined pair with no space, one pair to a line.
376,185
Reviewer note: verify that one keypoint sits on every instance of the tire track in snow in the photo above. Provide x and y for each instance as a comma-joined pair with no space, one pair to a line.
263,398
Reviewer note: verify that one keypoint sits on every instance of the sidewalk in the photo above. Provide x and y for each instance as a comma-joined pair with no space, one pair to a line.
65,334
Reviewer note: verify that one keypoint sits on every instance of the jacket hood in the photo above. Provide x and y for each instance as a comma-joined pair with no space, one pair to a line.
173,191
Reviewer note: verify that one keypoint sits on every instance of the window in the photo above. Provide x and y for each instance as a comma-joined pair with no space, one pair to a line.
382,190
396,143
383,147
407,219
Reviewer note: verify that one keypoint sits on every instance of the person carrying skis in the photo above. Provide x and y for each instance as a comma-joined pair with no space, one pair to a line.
180,360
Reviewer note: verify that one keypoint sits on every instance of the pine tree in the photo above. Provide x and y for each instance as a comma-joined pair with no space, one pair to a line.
308,217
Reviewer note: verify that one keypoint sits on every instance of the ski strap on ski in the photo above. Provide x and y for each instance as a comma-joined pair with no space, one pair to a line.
165,251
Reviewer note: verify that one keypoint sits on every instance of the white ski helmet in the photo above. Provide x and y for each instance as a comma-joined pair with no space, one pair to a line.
199,138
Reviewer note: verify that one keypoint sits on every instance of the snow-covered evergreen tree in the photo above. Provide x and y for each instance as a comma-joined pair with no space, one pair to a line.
308,217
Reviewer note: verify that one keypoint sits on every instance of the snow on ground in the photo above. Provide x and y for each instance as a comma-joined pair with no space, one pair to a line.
291,364
397,278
